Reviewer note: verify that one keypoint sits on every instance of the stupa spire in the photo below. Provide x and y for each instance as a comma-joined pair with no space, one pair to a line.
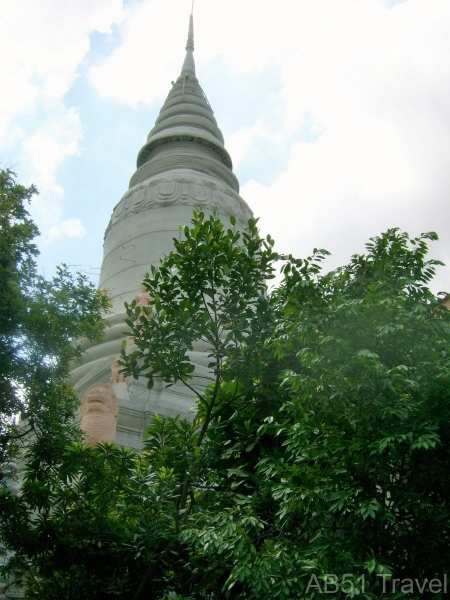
183,165
186,120
189,64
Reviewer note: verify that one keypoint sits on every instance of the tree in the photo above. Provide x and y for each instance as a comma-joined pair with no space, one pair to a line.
17,254
363,485
39,322
318,458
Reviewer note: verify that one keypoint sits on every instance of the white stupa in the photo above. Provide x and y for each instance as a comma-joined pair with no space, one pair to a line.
183,165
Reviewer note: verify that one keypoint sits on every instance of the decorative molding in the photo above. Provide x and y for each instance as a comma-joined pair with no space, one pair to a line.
183,190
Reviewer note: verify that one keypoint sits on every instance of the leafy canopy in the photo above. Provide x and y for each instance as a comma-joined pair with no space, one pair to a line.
319,453
39,323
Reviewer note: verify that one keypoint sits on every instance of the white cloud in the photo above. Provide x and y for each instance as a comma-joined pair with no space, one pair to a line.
55,139
72,228
41,47
17,97
240,142
382,90
140,69
43,152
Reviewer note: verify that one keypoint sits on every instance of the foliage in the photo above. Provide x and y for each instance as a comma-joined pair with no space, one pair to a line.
39,321
366,457
318,456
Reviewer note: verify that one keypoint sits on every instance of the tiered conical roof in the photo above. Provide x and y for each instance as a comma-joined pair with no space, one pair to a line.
187,117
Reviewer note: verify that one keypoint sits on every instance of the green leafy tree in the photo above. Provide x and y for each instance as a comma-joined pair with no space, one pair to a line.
17,268
211,293
364,484
73,527
332,458
318,457
39,322
359,493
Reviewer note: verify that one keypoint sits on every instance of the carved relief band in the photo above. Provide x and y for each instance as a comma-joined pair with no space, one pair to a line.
182,190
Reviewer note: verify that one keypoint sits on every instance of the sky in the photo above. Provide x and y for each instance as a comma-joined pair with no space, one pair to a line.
336,113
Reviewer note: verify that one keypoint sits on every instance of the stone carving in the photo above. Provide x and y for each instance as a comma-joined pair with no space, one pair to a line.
116,376
183,190
98,414
143,298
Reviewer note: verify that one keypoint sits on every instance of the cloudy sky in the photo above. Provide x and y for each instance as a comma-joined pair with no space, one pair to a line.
336,113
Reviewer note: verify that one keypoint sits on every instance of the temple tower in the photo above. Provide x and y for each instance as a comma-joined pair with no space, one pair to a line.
182,166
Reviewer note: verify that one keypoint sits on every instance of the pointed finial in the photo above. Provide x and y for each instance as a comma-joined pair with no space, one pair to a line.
190,40
189,65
